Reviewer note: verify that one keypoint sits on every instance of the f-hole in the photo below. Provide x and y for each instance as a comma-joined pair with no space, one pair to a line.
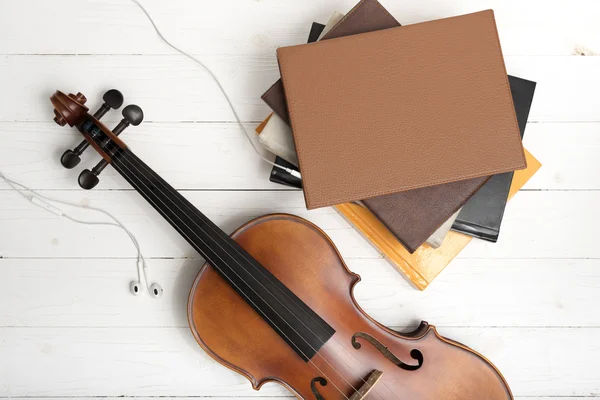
416,354
313,387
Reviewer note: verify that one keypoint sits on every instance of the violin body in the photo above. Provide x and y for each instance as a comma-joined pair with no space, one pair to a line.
302,257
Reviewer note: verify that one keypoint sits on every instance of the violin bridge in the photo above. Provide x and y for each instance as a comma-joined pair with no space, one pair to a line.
364,390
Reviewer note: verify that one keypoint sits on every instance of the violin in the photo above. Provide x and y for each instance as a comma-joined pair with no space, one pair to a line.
274,301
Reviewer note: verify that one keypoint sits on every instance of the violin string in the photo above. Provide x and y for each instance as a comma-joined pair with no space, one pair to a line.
122,164
133,162
213,76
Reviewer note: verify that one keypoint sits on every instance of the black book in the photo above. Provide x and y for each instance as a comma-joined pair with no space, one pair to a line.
481,216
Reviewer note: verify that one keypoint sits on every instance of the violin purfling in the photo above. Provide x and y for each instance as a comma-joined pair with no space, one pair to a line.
274,302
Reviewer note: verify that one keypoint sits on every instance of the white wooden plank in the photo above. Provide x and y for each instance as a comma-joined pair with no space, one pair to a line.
168,362
168,88
539,362
258,27
32,232
269,397
189,156
218,156
113,362
568,153
564,86
94,293
172,88
544,225
536,225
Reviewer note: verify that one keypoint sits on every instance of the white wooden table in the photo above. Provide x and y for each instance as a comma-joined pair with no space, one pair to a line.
69,327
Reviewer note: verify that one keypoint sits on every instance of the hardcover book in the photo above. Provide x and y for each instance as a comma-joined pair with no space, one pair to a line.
427,105
482,215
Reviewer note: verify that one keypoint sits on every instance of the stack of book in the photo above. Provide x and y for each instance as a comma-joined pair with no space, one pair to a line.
412,133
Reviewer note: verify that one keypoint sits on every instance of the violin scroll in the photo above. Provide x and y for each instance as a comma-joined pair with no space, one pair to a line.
70,109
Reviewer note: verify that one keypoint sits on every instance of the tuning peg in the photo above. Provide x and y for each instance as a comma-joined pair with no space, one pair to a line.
113,99
132,115
70,158
88,180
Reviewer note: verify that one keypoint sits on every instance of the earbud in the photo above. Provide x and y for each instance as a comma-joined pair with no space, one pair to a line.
136,287
156,290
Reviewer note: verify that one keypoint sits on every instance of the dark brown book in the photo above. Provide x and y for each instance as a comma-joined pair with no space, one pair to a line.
413,215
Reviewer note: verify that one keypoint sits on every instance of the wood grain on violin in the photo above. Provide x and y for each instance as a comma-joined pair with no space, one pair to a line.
306,261
276,302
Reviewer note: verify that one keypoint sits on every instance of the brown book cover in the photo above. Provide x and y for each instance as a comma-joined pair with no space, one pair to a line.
433,98
366,16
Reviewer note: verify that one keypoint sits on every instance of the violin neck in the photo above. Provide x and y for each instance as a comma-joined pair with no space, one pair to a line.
295,322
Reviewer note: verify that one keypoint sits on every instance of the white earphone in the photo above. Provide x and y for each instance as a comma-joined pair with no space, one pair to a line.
136,287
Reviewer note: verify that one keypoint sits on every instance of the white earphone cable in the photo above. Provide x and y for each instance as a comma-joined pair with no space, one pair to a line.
44,202
213,76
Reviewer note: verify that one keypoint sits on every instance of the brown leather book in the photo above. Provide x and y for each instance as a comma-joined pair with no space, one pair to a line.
366,16
413,215
433,99
425,264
